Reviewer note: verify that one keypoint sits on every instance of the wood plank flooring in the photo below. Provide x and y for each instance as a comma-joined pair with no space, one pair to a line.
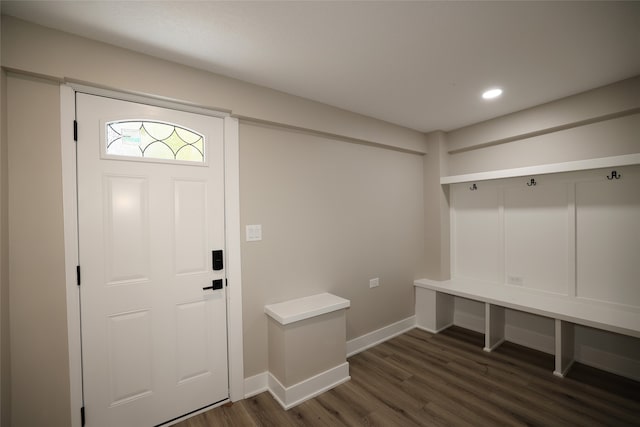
420,379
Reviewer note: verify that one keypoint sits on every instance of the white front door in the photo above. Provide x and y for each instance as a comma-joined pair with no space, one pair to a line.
153,297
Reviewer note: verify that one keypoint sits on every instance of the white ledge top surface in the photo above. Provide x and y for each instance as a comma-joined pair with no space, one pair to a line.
577,165
304,308
601,315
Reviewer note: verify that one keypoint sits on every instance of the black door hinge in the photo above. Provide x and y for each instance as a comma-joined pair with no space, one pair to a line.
78,274
226,283
82,419
75,131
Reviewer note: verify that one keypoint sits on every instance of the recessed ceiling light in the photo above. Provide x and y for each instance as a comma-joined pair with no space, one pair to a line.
492,93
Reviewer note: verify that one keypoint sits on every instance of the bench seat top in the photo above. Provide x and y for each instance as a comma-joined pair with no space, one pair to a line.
601,315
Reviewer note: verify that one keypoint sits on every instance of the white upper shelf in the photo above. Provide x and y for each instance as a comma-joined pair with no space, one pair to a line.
578,165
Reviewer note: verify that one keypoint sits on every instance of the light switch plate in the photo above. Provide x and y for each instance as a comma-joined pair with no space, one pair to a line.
254,232
374,283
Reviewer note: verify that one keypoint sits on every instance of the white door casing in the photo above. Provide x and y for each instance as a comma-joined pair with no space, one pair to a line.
154,342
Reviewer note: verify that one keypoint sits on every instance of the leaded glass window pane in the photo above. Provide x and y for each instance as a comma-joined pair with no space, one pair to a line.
154,140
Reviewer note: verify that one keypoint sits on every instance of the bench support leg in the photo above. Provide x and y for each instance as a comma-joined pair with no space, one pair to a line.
493,326
434,310
564,347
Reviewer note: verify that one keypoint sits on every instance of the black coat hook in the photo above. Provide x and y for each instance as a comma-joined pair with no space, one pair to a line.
614,174
473,187
531,183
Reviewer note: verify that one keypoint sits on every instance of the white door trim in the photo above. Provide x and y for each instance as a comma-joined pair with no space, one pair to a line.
70,210
232,229
157,101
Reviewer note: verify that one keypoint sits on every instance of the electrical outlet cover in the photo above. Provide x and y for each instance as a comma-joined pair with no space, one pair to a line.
515,280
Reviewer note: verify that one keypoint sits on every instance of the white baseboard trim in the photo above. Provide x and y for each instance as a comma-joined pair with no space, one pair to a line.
288,397
608,361
563,373
298,393
434,331
378,336
493,347
531,339
256,384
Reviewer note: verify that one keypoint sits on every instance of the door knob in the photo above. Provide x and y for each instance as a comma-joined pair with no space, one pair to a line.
215,285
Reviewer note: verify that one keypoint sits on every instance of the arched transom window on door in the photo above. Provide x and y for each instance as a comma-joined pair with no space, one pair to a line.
154,140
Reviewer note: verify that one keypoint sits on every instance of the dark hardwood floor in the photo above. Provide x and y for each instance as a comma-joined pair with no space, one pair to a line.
420,379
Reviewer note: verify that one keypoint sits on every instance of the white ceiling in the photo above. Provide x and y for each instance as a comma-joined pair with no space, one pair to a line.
418,64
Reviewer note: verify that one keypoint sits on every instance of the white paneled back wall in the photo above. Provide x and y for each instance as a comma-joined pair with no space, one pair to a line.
608,237
575,234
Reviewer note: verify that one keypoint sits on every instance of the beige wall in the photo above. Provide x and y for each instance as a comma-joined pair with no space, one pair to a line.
38,316
40,50
5,367
599,123
436,209
602,139
333,215
603,103
5,382
303,349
